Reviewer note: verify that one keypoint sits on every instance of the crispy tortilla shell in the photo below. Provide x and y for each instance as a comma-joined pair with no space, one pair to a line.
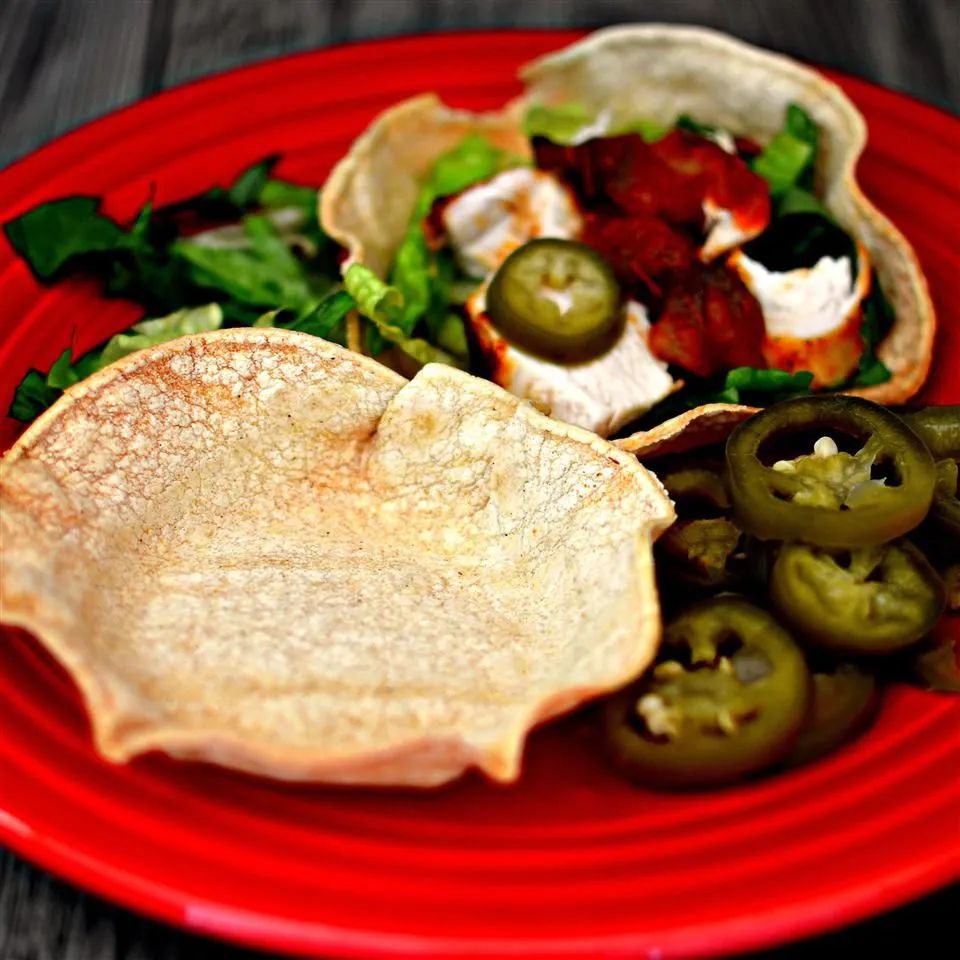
657,71
653,72
700,427
259,549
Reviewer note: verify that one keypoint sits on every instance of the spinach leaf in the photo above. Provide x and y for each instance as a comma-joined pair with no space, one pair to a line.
422,278
327,318
686,122
265,274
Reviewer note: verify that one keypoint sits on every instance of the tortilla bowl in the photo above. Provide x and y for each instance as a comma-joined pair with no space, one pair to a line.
259,549
652,72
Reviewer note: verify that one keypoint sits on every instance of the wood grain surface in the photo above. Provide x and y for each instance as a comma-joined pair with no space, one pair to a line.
63,62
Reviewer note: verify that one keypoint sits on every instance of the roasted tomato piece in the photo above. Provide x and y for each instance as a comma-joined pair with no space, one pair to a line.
679,335
640,249
588,166
709,321
720,178
734,320
643,184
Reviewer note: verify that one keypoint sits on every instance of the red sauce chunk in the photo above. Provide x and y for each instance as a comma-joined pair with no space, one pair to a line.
640,249
708,322
644,212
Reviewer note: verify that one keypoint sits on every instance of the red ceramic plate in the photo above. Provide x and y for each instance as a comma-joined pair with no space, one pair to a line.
570,861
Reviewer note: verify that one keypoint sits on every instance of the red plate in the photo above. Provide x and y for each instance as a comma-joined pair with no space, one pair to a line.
571,861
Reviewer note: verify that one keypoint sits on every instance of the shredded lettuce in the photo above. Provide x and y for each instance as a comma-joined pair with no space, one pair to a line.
787,161
266,274
422,278
36,392
560,124
140,263
149,333
564,122
686,122
411,274
649,130
382,304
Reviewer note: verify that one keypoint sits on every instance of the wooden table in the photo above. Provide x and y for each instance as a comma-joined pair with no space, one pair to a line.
66,61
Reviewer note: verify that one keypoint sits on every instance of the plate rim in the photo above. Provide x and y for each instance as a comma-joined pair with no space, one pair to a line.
241,926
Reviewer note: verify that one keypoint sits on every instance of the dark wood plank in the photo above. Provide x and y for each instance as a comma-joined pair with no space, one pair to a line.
65,61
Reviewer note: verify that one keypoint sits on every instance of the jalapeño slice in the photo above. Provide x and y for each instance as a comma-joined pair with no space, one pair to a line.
845,701
873,600
558,299
830,498
726,699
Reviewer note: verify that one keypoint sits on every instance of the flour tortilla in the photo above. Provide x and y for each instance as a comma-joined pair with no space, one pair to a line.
259,549
700,427
653,72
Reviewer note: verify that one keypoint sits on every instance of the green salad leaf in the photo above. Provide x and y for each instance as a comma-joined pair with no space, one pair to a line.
473,159
424,279
149,333
382,304
33,395
877,320
36,392
788,162
559,124
52,236
153,263
753,380
264,273
686,122
649,130
326,320
562,123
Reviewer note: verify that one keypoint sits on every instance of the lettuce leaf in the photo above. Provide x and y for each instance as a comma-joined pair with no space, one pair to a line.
787,161
560,124
149,333
382,304
32,397
140,263
877,320
754,380
52,236
264,274
649,130
421,277
36,392
686,122
326,320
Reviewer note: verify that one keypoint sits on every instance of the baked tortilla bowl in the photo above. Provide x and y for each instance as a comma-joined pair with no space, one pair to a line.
259,549
652,72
